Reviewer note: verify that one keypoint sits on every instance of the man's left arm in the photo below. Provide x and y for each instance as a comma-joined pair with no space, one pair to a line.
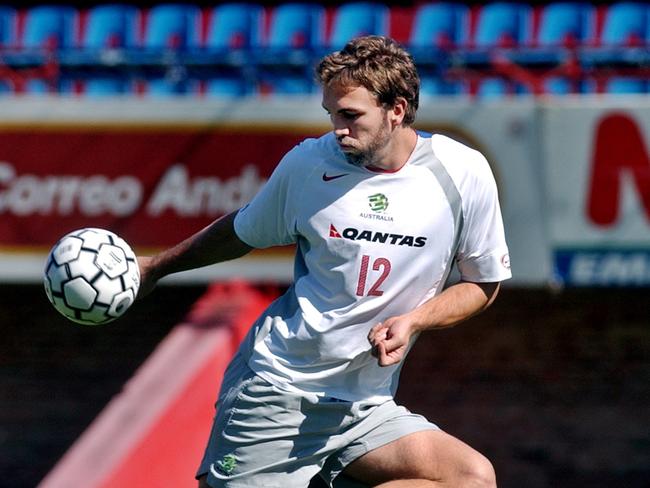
390,338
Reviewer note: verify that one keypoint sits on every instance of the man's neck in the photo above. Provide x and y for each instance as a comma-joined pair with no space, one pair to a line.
397,152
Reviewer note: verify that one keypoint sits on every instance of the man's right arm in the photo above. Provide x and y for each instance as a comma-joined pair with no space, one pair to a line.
216,243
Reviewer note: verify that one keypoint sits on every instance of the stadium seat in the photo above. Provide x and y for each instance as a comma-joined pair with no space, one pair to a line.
234,26
40,86
495,88
36,86
169,87
497,26
282,82
439,25
623,41
46,29
560,85
562,27
503,24
626,24
357,19
234,31
296,26
6,87
437,28
103,86
227,87
111,26
8,20
285,61
437,86
173,26
171,32
557,86
52,27
491,88
626,85
566,24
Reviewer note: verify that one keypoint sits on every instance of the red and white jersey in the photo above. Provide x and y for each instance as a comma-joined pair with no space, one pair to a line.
370,245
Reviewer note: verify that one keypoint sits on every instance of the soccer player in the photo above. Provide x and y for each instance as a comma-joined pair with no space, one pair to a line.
379,214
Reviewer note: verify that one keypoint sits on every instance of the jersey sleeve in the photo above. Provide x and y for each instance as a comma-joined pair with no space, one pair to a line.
269,219
482,254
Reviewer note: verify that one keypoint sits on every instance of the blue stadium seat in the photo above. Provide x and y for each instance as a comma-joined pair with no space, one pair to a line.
626,85
439,25
566,23
358,19
284,83
623,41
173,26
491,88
495,88
37,86
111,26
227,87
108,26
562,26
438,86
6,87
40,86
285,61
45,28
503,24
170,28
234,26
163,87
626,23
52,27
104,86
498,26
296,26
561,85
8,20
234,31
557,85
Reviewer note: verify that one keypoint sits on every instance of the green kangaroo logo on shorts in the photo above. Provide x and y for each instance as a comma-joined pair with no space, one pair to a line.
227,465
378,202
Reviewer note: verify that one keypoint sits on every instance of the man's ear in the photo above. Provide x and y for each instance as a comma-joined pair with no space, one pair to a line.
398,112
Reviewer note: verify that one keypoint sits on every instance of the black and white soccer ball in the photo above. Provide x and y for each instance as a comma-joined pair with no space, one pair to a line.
91,276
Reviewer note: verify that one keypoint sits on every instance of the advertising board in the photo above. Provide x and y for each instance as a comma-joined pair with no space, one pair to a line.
597,187
573,177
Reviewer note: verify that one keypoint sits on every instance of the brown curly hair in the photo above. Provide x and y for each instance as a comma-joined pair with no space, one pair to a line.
380,65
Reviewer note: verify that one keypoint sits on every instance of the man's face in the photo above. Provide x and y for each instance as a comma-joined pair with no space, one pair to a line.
361,124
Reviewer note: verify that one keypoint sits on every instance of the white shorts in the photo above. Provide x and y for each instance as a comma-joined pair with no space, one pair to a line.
263,436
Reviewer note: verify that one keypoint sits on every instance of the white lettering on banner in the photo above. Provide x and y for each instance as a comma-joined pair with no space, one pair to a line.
95,195
612,268
203,195
27,194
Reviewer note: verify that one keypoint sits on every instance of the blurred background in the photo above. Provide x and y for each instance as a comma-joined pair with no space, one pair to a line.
153,119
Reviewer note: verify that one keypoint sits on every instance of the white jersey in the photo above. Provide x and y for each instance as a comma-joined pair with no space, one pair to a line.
370,245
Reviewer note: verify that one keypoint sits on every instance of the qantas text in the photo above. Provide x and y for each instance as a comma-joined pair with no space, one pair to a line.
384,237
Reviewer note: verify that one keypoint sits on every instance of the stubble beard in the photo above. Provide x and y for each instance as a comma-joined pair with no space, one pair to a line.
371,154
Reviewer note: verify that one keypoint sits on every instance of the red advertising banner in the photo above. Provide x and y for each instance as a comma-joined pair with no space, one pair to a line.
153,186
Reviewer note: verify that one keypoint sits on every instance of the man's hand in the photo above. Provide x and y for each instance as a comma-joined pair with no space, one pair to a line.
390,339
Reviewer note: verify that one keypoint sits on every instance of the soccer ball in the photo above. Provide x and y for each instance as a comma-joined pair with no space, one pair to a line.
91,276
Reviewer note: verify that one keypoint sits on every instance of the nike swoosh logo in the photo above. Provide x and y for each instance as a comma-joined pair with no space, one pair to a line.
333,177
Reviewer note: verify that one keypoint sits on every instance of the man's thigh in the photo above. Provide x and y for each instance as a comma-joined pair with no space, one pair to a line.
428,454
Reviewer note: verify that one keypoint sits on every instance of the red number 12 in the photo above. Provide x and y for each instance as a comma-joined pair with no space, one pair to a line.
379,263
